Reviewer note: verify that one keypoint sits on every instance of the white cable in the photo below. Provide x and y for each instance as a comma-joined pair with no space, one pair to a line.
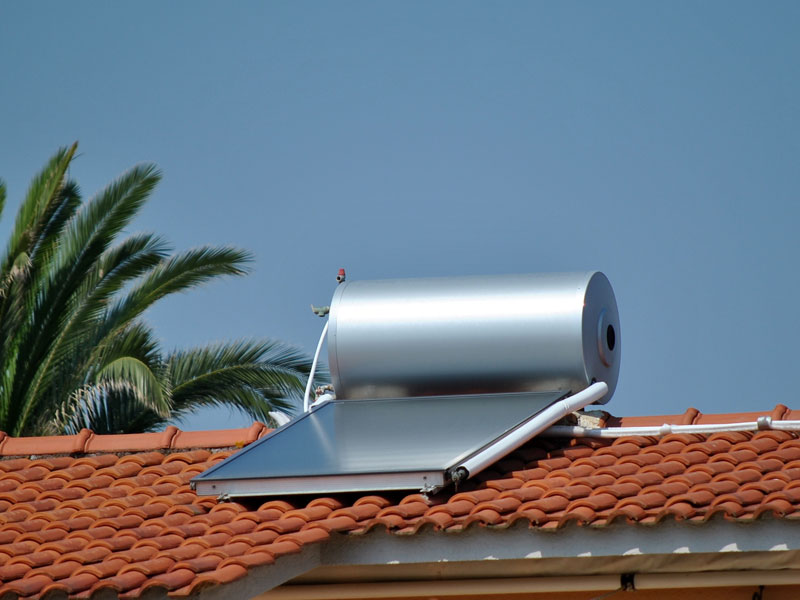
307,395
543,420
763,423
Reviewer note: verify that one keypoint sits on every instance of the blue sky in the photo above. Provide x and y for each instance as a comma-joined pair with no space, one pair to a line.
657,142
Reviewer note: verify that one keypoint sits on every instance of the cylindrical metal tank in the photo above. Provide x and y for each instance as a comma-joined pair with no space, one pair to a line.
464,335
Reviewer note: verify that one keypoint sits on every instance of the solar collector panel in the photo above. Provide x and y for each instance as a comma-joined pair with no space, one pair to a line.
378,444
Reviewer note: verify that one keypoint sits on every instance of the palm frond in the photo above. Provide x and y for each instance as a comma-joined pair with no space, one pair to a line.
41,192
2,196
178,273
112,272
56,217
132,374
84,241
75,352
107,411
245,401
105,383
48,206
107,214
254,377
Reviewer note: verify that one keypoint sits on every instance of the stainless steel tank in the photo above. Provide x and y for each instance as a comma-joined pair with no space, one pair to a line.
464,335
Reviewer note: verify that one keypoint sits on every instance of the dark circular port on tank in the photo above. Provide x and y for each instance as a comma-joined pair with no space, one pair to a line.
611,337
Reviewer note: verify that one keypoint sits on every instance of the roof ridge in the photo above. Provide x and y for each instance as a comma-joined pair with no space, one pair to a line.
173,438
693,416
88,442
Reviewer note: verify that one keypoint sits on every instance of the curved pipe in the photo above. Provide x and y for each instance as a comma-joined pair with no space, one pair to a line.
489,455
311,373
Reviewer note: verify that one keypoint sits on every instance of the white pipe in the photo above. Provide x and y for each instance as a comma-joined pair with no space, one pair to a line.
307,395
763,423
537,424
280,418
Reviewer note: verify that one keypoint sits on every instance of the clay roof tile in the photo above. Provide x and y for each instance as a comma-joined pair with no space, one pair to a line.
204,562
122,583
226,574
184,552
15,571
127,522
171,580
28,586
34,559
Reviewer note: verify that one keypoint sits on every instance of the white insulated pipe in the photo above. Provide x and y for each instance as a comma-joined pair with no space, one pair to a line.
310,382
763,423
553,413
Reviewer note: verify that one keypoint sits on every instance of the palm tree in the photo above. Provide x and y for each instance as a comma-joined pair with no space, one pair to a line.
74,350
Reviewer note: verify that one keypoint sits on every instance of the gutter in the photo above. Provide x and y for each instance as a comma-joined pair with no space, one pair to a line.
533,585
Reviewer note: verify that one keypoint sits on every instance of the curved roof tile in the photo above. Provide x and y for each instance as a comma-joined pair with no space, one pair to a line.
95,513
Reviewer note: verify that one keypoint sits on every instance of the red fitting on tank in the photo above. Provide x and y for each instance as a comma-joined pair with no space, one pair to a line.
341,276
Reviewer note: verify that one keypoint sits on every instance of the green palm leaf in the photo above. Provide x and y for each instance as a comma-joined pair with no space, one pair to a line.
254,377
75,351
37,204
178,274
136,376
2,196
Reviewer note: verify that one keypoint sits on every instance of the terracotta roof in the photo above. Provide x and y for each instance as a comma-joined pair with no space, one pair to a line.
84,514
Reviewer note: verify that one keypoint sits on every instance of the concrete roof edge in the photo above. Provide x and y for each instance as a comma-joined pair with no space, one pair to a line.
731,544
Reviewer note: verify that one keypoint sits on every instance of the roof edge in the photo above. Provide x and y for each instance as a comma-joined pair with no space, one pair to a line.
671,545
88,442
